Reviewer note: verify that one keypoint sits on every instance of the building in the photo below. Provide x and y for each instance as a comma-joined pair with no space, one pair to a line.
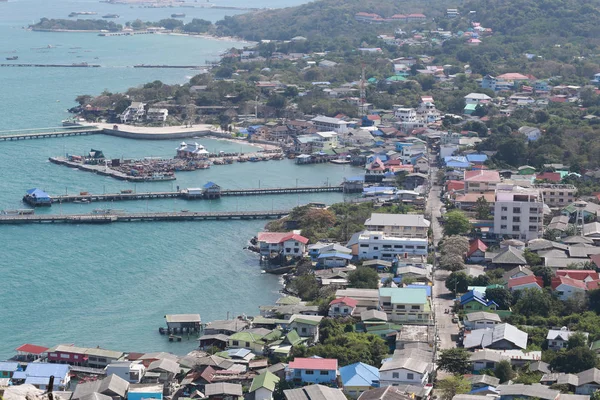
38,375
405,305
500,337
263,385
357,378
399,225
312,370
211,190
565,287
111,386
518,212
157,114
366,298
83,356
131,371
134,113
379,246
314,392
8,368
559,338
37,197
192,150
325,124
247,340
481,320
342,307
183,322
143,391
588,381
525,282
405,371
286,243
307,326
476,301
477,98
557,195
480,180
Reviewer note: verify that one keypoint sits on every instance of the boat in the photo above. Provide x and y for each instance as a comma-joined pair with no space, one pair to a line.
107,211
178,15
82,201
13,58
111,16
22,211
157,177
73,122
174,338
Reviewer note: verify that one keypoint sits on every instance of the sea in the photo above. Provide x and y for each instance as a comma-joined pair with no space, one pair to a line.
111,285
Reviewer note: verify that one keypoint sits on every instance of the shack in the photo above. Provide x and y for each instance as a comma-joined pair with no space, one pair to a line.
183,322
37,198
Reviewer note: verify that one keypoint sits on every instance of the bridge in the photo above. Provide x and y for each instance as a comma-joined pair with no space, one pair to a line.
110,217
44,133
183,194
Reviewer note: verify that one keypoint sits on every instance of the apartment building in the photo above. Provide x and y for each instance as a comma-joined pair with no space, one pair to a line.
379,246
518,212
480,181
405,304
557,195
399,225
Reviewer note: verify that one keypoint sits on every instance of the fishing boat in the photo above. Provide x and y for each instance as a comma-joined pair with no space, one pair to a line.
13,58
157,177
82,201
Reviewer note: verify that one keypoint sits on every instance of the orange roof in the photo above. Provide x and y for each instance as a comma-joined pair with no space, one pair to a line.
475,245
548,176
482,176
525,280
579,274
280,237
454,185
490,197
563,280
511,76
345,300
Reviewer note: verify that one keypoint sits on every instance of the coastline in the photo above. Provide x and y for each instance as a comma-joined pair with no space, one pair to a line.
212,37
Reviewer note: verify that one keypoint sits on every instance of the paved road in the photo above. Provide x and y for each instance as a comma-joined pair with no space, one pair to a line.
441,296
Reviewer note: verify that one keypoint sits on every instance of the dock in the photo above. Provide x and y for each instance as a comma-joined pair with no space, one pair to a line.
172,66
48,133
77,65
183,194
140,217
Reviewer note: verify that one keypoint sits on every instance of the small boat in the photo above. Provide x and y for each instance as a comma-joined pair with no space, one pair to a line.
174,338
111,16
82,201
13,58
178,15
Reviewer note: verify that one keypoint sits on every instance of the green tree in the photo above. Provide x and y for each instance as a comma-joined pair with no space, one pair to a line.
453,385
457,282
363,278
594,300
482,208
534,302
532,258
574,361
501,296
577,339
456,223
456,361
504,371
545,273
306,287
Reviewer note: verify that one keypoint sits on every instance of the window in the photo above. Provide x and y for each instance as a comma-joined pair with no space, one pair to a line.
502,226
532,228
235,343
415,307
336,309
387,303
309,372
376,238
561,193
323,372
387,246
64,356
561,200
395,375
364,245
517,210
375,247
247,344
504,208
288,250
401,307
296,250
503,218
533,210
409,247
490,365
303,330
516,219
421,247
76,357
410,377
515,228
533,219
386,255
397,246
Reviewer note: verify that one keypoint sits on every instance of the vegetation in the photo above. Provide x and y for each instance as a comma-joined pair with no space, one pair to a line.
451,386
453,250
363,278
456,223
456,361
76,25
504,371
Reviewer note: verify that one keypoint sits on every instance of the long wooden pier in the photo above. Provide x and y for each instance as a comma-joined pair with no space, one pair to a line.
10,135
139,217
183,194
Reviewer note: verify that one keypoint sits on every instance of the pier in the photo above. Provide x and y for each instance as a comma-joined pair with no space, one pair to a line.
183,194
77,65
139,217
45,133
173,66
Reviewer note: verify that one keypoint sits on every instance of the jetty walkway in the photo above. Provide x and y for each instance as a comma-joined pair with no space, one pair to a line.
184,194
138,217
45,133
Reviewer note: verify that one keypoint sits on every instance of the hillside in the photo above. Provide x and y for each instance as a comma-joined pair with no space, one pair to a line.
322,18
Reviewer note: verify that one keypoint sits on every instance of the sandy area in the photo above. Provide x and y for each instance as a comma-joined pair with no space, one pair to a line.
200,128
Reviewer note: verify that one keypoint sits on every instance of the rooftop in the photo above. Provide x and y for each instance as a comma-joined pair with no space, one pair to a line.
323,364
416,220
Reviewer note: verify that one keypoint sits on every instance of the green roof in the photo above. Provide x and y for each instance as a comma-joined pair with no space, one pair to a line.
224,354
246,337
259,320
274,335
306,321
293,338
404,295
471,107
266,380
396,78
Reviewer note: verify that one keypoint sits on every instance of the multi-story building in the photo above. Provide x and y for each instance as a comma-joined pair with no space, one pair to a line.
399,225
518,212
557,195
325,124
83,356
287,243
379,246
481,181
405,304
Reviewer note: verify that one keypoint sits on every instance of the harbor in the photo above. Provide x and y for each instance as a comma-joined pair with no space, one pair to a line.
109,216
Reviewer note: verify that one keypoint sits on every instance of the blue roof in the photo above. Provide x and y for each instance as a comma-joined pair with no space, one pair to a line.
457,164
477,157
44,370
476,296
455,158
39,193
38,380
426,287
337,255
209,185
359,374
484,389
9,366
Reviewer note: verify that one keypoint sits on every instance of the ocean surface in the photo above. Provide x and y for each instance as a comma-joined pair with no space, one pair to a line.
111,285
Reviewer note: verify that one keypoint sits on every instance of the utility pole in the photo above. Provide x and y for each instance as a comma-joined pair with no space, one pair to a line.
363,92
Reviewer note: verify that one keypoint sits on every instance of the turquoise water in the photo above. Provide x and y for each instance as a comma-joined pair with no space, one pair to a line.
111,285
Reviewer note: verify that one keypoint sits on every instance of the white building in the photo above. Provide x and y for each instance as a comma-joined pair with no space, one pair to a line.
326,140
157,114
135,112
559,338
404,371
325,124
287,243
132,372
379,246
399,225
518,212
477,98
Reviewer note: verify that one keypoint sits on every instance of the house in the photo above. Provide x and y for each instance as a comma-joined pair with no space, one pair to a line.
315,250
409,337
532,133
506,258
405,304
357,378
111,385
500,337
83,356
223,391
370,318
477,98
286,243
325,124
481,320
367,298
521,391
165,369
307,326
312,370
489,358
476,301
143,391
134,113
38,375
183,322
263,385
588,381
211,190
399,225
566,288
37,197
157,114
314,392
395,393
334,260
579,274
130,371
559,338
249,340
525,282
7,369
405,370
516,272
556,194
476,251
342,307
482,381
480,181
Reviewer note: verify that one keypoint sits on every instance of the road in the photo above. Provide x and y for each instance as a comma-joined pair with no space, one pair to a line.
442,298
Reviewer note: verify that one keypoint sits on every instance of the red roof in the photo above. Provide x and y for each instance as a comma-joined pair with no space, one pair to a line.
314,363
475,245
32,349
345,300
454,185
592,285
280,237
482,176
548,176
579,274
389,163
513,76
398,16
525,280
563,280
